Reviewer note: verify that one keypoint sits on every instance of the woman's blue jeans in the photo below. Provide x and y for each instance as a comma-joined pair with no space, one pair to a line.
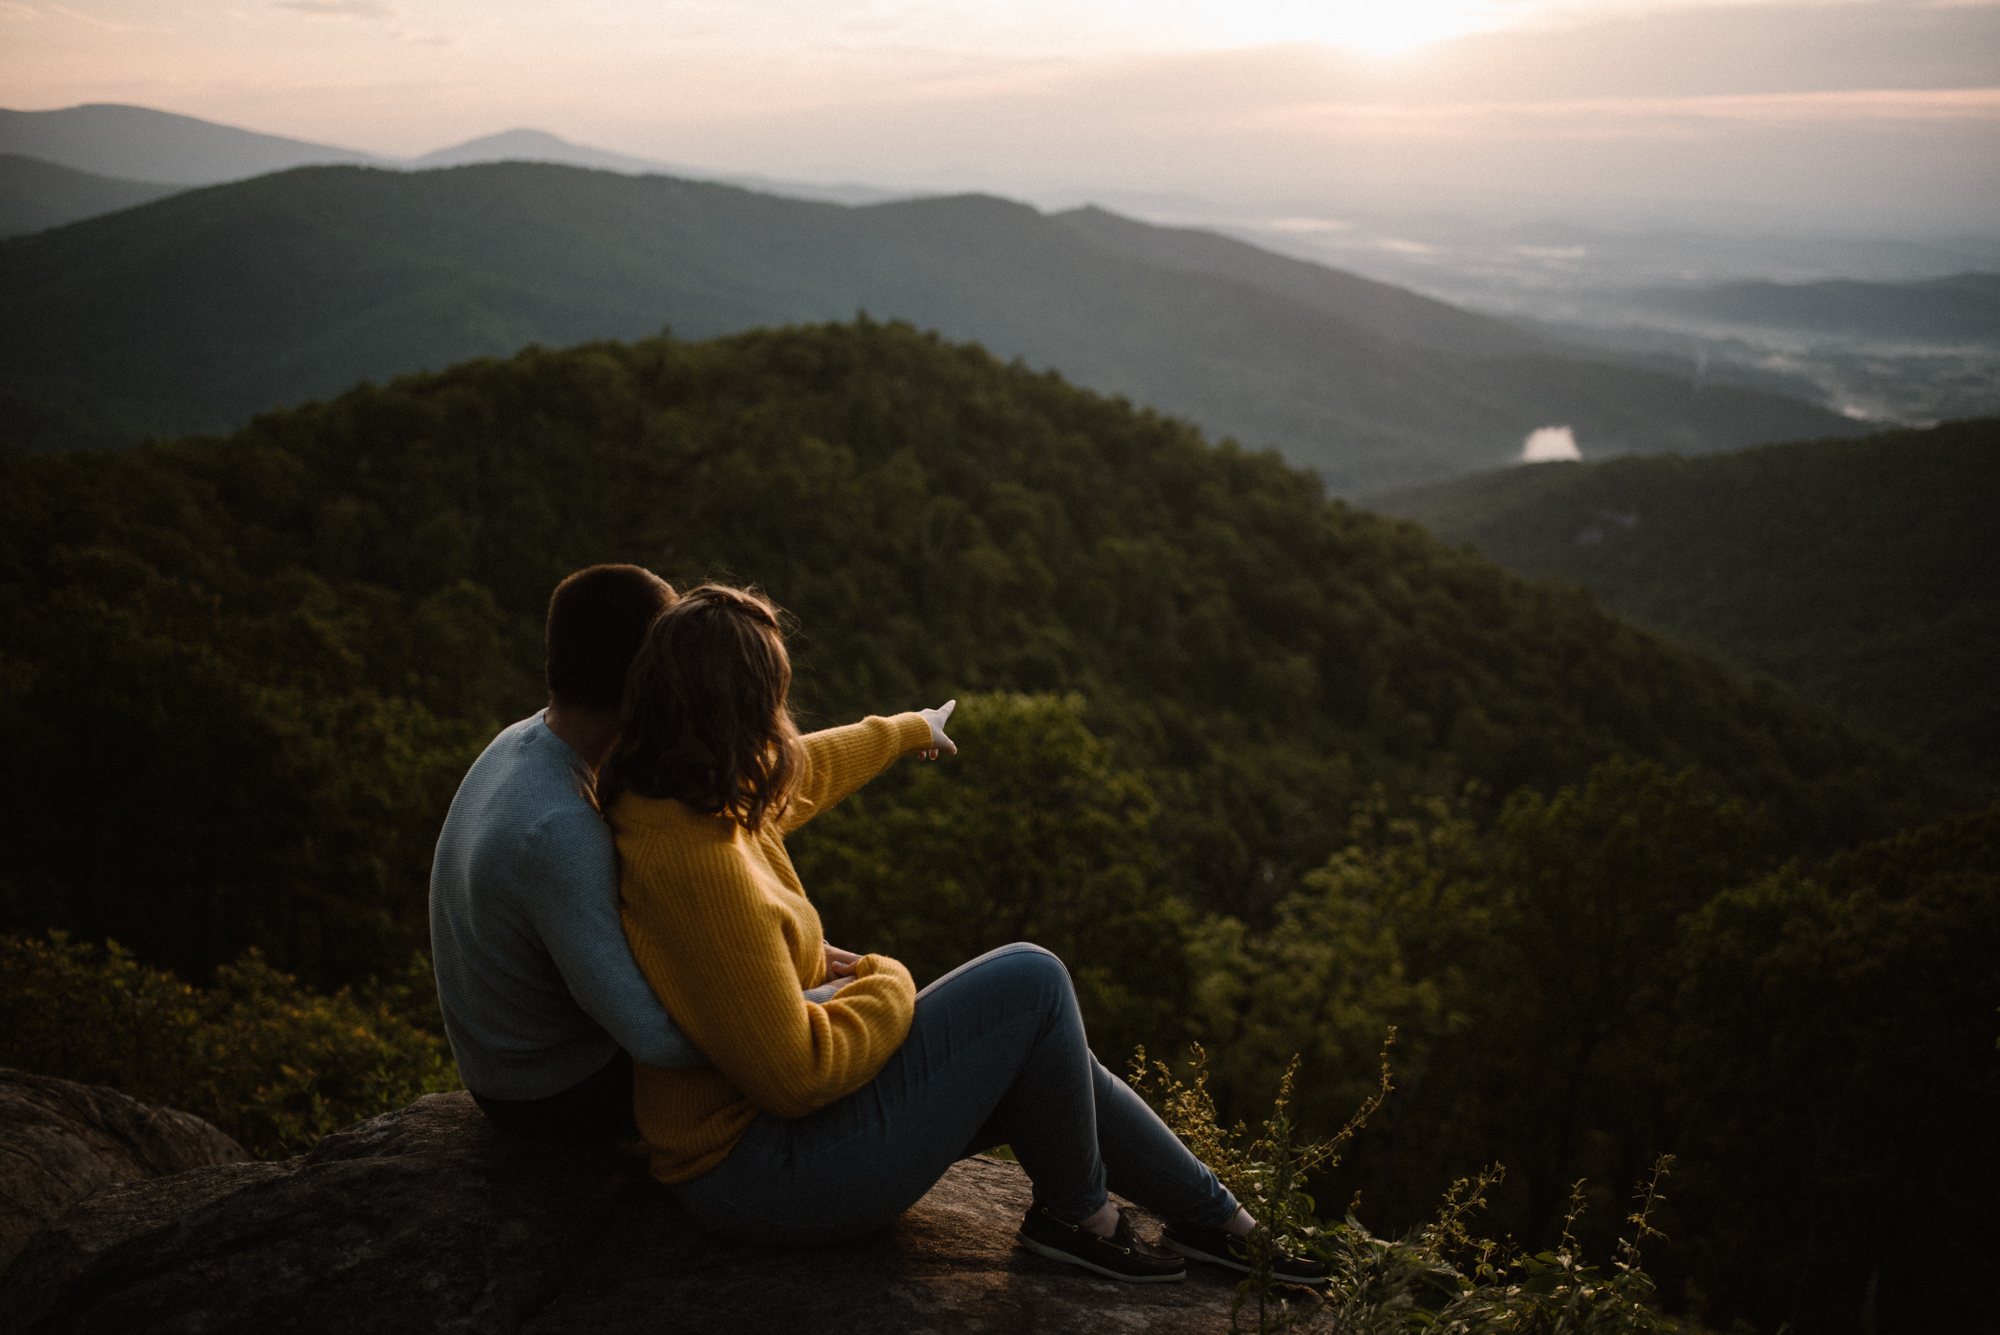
996,1055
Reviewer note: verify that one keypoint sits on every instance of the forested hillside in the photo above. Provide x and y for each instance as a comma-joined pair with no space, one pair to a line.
196,311
375,569
36,194
1269,772
1863,573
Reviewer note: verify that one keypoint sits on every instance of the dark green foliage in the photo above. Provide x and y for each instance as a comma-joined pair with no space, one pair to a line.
273,1063
1034,838
1619,971
1837,1083
199,310
302,630
1529,967
196,757
1862,573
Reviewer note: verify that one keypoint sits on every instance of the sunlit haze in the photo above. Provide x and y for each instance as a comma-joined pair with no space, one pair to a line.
1857,116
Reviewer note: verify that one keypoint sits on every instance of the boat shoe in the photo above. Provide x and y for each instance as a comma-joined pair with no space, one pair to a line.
1124,1255
1220,1246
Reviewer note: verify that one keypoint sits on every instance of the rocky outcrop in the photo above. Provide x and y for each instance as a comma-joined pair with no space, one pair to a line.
61,1142
429,1218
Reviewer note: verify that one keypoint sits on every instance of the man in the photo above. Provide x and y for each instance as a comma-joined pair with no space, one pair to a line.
544,1007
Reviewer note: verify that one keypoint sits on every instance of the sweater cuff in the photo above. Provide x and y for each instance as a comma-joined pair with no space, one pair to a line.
913,733
868,966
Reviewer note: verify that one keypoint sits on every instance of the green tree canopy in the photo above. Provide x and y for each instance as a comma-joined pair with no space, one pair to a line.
302,629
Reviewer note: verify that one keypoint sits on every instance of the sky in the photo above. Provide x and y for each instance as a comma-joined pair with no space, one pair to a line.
1859,115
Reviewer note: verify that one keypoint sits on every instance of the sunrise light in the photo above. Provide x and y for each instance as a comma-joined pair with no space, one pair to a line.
1365,27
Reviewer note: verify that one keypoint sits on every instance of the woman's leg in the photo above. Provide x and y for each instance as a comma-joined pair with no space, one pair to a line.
1148,1165
998,1039
1143,1161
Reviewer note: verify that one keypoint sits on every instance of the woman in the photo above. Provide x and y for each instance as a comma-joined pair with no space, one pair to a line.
824,1119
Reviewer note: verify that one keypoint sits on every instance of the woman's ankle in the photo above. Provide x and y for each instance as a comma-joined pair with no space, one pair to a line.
1104,1223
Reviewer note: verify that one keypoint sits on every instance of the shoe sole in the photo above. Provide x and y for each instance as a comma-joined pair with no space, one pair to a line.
1196,1254
1070,1258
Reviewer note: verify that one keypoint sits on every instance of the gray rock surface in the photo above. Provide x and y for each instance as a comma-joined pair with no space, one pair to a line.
429,1218
60,1142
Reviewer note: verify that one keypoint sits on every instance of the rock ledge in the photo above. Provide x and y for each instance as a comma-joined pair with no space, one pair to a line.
61,1141
429,1218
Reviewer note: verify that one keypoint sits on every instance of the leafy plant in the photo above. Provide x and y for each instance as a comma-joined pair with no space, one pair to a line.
1440,1278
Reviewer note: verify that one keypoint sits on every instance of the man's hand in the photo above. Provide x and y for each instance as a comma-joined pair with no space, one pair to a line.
937,718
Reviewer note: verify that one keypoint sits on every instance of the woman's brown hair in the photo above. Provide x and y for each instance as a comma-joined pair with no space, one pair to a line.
706,718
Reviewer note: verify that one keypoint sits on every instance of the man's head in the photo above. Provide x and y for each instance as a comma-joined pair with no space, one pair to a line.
597,620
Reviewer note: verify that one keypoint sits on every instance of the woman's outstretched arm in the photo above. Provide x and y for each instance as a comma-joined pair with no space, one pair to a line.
840,760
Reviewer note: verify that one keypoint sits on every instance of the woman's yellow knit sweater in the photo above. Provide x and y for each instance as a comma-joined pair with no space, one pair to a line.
722,929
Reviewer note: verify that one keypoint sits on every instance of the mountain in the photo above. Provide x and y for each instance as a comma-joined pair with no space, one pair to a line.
1394,312
541,146
1863,573
1964,308
158,147
196,311
36,194
527,145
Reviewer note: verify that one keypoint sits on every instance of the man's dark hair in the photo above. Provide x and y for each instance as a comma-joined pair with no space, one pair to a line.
597,621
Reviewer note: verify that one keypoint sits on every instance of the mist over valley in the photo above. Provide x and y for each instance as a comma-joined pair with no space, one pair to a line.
1652,298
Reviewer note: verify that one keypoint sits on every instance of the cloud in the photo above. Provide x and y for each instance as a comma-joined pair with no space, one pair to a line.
339,9
1847,114
1309,226
1550,444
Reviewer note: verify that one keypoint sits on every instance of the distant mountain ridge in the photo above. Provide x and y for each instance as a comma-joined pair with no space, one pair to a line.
157,147
529,145
160,148
35,195
197,310
1961,308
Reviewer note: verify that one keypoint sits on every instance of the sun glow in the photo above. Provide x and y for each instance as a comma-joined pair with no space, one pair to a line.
1367,27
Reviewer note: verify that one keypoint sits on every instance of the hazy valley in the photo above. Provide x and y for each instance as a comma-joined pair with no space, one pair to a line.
1893,352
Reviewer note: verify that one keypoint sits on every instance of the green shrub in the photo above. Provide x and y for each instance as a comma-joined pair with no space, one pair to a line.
270,1061
1439,1277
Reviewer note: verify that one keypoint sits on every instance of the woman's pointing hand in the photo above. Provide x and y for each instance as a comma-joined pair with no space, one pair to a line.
940,743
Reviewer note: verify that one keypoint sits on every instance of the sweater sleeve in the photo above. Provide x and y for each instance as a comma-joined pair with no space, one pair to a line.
840,760
571,867
731,982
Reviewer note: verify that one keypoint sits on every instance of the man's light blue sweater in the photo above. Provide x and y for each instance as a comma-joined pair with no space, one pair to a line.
538,986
